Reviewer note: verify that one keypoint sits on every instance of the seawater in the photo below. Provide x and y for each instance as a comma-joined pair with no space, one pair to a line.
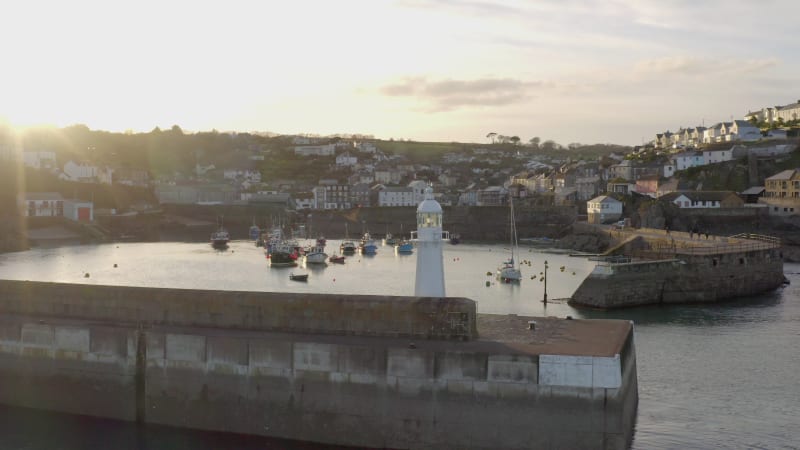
710,376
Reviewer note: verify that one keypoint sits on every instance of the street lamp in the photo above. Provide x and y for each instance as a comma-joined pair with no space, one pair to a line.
545,282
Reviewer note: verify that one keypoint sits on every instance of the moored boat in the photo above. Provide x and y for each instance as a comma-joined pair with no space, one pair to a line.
405,246
220,237
348,247
298,277
316,254
509,271
367,245
337,259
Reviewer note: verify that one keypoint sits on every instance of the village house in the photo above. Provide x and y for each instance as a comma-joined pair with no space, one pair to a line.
647,185
782,193
346,159
304,200
315,150
703,199
52,204
685,160
252,175
396,196
39,160
587,187
41,204
603,209
491,196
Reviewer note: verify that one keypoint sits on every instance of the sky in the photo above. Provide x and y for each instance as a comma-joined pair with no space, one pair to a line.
587,71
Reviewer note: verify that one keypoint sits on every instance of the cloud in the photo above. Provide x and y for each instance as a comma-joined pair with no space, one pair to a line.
449,94
695,66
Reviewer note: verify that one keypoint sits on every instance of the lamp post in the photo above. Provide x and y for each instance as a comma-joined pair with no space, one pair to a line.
545,283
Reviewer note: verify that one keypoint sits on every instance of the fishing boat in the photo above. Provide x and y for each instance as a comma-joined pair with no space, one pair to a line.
405,246
220,237
347,246
367,245
298,277
316,254
389,239
509,272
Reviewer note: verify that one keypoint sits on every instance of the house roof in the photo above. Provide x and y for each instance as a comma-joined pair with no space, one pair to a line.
604,199
783,175
755,190
698,196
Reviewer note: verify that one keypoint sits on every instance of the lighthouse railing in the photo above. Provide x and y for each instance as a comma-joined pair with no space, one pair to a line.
415,235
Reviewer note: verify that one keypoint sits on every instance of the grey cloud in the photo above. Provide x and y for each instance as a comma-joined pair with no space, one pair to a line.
691,66
451,94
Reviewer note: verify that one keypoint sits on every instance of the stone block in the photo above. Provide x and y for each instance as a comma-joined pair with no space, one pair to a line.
606,372
10,332
314,356
268,353
226,350
410,363
461,366
37,335
361,360
560,370
185,347
72,339
513,369
156,345
108,342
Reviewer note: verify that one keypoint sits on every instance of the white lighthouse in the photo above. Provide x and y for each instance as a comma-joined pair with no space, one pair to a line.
430,265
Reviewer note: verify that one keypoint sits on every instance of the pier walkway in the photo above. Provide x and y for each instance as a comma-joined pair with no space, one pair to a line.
665,242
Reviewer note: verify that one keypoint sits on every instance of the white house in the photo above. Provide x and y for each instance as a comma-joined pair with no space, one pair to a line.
315,150
345,159
418,187
717,156
79,210
251,175
742,130
39,160
80,171
365,147
685,160
603,209
396,196
41,204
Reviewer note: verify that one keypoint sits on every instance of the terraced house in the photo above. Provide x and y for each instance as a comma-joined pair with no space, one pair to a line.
782,193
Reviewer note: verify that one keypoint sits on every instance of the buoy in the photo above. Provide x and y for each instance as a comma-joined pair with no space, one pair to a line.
115,265
488,284
86,275
488,274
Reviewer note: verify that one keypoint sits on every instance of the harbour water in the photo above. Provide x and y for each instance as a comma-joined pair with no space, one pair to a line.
710,376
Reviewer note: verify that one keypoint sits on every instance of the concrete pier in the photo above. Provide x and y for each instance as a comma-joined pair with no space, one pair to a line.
439,376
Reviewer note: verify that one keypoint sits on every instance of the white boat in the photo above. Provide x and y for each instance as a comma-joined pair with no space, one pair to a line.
509,272
316,254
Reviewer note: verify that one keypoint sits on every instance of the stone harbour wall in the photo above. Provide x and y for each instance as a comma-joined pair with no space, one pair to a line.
164,356
364,315
691,279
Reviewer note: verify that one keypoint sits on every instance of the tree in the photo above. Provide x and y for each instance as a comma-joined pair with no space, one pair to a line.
549,145
535,142
514,140
491,136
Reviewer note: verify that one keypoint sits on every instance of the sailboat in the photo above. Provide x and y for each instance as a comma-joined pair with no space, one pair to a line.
509,271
